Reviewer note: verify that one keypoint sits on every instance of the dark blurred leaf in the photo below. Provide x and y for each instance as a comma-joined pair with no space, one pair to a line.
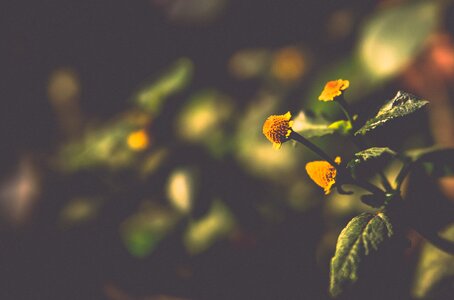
79,210
217,224
372,200
435,266
401,105
437,162
362,235
143,231
152,96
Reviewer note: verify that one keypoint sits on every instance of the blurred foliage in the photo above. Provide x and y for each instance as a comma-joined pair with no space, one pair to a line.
151,97
392,37
180,189
435,271
182,167
390,40
143,231
203,120
79,210
201,234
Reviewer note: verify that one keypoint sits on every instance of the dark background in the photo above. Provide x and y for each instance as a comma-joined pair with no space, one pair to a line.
113,46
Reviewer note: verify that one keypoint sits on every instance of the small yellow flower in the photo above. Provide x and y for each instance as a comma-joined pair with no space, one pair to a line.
138,140
277,129
323,173
333,89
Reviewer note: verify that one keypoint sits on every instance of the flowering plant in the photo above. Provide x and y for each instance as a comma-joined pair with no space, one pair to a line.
369,233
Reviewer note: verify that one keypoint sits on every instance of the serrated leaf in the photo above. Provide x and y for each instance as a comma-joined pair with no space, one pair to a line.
401,105
369,154
362,236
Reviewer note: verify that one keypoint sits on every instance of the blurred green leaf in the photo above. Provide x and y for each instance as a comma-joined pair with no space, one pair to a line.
142,232
392,37
250,63
181,188
104,146
152,96
435,271
362,235
342,126
201,234
401,105
79,210
311,126
203,120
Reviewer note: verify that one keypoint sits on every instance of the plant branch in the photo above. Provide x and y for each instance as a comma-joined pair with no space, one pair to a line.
347,178
359,143
438,241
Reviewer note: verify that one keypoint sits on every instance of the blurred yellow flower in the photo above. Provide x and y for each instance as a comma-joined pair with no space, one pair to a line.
333,89
288,64
277,129
323,173
138,140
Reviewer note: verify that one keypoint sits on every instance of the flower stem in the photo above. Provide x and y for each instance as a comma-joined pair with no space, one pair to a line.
297,137
346,177
359,143
345,109
438,241
406,168
368,186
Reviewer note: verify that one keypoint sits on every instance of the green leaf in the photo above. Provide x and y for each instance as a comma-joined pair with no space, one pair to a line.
368,160
401,105
370,154
362,236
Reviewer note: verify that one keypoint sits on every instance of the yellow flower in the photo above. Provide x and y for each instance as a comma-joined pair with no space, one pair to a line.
323,173
333,89
138,140
277,129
